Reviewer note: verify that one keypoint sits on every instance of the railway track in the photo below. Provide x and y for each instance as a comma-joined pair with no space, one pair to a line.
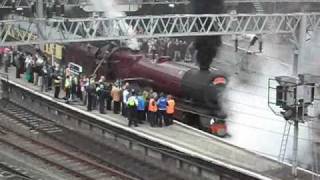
26,119
59,137
10,172
75,164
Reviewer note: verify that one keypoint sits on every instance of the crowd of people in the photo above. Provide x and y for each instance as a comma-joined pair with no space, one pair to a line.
177,49
141,105
138,105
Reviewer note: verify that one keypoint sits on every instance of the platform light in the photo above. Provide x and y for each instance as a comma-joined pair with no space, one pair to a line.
172,5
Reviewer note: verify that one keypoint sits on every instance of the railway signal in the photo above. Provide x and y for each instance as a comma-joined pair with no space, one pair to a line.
292,98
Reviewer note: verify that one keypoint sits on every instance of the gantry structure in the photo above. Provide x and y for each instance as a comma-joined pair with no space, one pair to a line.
25,30
269,1
28,3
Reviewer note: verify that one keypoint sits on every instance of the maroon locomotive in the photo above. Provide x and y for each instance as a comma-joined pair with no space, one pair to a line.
198,92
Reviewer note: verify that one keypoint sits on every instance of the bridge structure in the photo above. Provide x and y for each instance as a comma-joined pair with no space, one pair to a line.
28,3
65,30
269,1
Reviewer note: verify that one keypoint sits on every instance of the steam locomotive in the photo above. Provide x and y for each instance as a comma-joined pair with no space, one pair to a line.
197,92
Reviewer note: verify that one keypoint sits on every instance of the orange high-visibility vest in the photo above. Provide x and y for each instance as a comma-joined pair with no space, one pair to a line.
152,106
170,107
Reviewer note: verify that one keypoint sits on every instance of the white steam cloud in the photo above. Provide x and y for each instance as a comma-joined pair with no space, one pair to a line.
110,9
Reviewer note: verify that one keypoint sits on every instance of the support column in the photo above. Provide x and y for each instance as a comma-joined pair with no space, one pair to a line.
40,26
297,61
295,148
300,50
40,6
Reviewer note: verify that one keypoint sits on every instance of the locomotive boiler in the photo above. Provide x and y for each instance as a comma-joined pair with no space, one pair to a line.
203,88
198,92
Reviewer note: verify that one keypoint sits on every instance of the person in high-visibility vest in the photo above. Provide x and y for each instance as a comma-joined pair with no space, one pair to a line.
132,109
67,88
152,111
170,110
162,108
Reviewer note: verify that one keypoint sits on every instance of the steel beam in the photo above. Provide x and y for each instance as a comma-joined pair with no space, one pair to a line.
270,1
27,3
121,28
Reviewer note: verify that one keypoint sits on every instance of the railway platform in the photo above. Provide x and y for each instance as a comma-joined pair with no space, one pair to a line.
185,139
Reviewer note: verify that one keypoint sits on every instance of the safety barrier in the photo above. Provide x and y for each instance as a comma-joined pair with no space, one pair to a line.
4,91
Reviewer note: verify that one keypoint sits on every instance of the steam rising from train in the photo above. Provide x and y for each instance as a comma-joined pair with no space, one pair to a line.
110,10
207,46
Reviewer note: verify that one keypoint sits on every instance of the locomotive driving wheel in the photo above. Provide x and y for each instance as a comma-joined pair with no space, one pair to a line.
186,118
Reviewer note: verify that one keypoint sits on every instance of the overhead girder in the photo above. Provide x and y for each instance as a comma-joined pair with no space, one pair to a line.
97,29
27,3
270,1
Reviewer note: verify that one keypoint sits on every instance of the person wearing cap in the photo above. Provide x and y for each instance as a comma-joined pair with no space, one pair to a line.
132,108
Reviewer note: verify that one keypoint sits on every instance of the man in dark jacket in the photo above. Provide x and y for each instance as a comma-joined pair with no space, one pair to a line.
45,77
57,85
108,96
91,93
102,94
19,59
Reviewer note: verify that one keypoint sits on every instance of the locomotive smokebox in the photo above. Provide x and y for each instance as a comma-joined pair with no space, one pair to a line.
204,88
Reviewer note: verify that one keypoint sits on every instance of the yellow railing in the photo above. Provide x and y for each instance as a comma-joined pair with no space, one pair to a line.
54,49
20,34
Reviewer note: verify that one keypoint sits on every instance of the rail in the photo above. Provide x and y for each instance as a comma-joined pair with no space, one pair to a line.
15,116
23,138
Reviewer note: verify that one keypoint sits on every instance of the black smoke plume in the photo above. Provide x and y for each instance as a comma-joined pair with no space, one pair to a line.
207,46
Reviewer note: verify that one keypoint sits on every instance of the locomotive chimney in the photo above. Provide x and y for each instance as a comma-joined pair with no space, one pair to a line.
207,46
